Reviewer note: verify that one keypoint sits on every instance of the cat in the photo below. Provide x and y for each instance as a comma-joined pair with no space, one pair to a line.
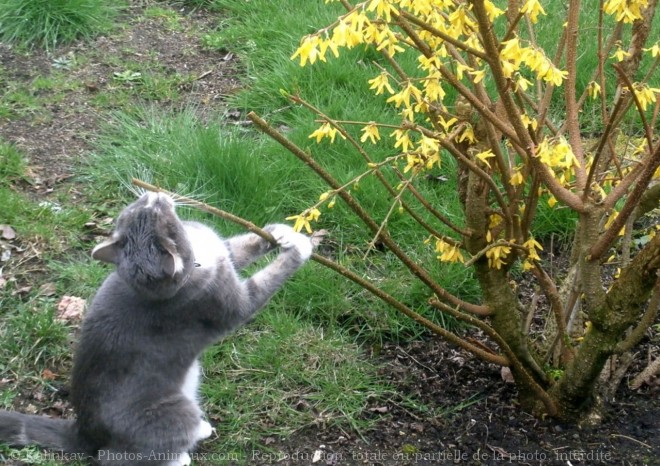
176,290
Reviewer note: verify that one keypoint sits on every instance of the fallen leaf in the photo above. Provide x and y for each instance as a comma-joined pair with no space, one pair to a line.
22,290
70,309
417,427
380,409
506,374
47,289
7,232
47,374
5,255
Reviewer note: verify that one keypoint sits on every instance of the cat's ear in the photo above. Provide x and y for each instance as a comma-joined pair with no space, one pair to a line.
106,252
172,264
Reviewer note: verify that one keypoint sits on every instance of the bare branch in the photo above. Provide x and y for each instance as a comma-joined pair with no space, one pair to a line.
413,266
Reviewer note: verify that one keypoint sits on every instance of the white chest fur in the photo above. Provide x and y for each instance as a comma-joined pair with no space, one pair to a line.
191,382
208,248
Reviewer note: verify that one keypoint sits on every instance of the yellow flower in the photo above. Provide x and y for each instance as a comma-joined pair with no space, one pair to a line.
460,69
517,178
468,134
308,50
625,11
413,162
492,10
620,54
402,139
325,131
594,89
370,132
484,156
344,35
388,40
529,122
448,252
645,94
522,83
303,220
384,9
477,76
446,124
433,89
532,246
532,8
655,50
556,153
380,83
496,256
461,22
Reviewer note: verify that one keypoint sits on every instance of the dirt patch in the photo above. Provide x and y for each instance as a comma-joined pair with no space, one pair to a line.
478,423
148,59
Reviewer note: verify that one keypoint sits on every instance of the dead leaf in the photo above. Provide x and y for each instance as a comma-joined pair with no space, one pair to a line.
70,309
506,374
21,291
5,255
7,232
31,409
380,409
417,427
49,375
47,289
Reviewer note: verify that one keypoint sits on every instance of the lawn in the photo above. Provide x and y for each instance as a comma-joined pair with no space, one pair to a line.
160,91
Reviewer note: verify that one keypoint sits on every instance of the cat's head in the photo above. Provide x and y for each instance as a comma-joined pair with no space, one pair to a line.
149,246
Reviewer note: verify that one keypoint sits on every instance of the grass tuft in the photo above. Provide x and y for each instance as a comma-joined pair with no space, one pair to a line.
49,23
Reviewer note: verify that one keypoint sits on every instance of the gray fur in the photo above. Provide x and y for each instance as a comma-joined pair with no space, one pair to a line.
175,291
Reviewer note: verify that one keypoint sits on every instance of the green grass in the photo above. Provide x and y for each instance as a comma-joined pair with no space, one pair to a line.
49,23
282,374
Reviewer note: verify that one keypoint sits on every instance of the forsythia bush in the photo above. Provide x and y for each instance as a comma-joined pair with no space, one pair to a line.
512,155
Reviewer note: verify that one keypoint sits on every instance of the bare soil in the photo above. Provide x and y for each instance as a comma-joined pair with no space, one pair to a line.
482,423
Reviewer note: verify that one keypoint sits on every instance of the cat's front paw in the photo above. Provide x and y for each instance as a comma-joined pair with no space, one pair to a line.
287,238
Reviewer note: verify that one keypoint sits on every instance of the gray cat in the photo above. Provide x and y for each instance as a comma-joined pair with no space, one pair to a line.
175,291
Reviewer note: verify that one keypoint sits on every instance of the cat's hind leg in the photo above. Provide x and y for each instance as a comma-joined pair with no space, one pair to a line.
204,431
183,460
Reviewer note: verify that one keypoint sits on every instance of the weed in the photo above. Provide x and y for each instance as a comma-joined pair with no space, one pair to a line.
12,163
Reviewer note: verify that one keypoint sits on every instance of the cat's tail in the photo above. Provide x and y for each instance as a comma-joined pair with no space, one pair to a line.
19,430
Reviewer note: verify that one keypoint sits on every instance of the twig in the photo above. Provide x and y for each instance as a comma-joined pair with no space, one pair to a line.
632,439
203,75
387,240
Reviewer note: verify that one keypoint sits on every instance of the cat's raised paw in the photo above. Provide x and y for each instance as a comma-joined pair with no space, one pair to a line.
287,238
